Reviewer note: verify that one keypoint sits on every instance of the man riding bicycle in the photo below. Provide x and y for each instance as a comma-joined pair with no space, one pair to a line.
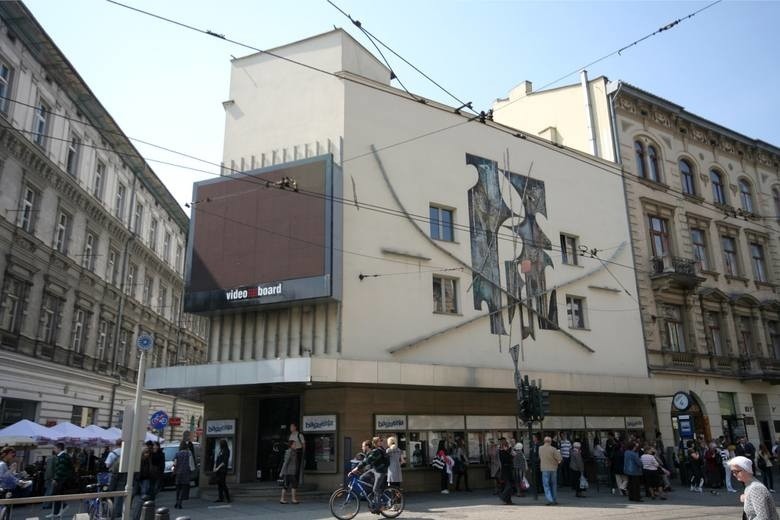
376,460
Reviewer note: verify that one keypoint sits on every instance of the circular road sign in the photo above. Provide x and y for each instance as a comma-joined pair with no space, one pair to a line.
145,342
159,420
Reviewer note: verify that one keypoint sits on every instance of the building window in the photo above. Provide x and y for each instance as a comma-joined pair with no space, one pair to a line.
639,158
119,207
774,338
759,262
175,307
699,241
178,258
776,199
659,236
745,335
731,265
441,224
714,336
162,301
112,265
40,124
72,162
139,218
29,209
575,309
97,182
51,316
675,328
131,277
80,330
83,416
121,352
153,235
569,249
445,295
718,190
687,177
62,232
6,79
147,293
745,196
12,309
104,330
166,252
90,252
654,171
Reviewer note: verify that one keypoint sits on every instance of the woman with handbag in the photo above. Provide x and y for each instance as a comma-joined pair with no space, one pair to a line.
183,464
289,473
520,466
577,467
220,471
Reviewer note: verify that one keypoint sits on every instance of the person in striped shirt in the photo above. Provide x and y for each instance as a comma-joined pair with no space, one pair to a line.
565,447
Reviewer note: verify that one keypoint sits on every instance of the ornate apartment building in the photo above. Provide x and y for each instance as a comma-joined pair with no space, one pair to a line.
91,247
703,208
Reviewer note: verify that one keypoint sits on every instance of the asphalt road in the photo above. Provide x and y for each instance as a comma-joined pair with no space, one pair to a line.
466,506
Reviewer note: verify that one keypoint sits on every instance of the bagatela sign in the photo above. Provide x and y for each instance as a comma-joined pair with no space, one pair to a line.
319,423
221,428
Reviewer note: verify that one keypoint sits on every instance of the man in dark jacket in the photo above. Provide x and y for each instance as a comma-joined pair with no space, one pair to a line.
376,459
507,474
63,473
632,467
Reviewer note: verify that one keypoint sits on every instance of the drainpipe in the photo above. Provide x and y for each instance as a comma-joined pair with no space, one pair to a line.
594,147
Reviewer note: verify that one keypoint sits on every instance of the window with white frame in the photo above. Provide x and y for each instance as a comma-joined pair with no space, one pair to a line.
166,252
175,307
659,236
162,300
121,351
40,123
774,338
139,218
759,261
441,223
569,249
718,187
62,232
102,340
675,328
745,333
119,202
699,243
80,330
132,271
147,294
178,265
647,161
51,316
575,311
90,251
445,299
714,333
99,180
28,212
153,234
730,261
745,196
112,265
72,161
14,303
6,81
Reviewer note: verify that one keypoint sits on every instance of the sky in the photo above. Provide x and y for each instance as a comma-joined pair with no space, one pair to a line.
165,85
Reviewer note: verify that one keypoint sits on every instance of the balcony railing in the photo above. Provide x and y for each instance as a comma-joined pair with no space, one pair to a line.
677,270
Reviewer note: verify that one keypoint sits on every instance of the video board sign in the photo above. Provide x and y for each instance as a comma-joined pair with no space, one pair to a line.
269,236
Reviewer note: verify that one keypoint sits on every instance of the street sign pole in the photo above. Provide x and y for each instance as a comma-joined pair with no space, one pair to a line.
144,344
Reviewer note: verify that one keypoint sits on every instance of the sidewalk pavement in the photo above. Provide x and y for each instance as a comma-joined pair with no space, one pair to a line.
681,504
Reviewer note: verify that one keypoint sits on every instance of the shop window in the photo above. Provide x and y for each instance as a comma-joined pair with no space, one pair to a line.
14,410
320,434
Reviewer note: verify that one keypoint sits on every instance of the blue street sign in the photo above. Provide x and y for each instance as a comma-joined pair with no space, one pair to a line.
144,342
159,420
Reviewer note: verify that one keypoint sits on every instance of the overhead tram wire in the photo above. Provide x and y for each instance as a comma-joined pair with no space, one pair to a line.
618,51
514,132
360,26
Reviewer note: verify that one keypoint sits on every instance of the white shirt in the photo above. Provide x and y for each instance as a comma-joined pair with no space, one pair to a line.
297,439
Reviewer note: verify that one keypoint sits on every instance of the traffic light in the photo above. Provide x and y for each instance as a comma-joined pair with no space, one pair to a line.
523,410
544,404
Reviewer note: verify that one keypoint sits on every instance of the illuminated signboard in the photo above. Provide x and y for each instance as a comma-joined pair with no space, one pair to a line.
269,236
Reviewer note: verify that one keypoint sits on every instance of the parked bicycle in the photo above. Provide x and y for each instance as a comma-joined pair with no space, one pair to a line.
5,511
99,508
345,501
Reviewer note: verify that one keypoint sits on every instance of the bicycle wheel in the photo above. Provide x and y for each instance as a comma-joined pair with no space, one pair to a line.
392,502
5,513
344,504
106,509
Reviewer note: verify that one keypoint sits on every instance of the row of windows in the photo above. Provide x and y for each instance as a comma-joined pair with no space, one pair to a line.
445,301
675,325
41,126
661,249
648,167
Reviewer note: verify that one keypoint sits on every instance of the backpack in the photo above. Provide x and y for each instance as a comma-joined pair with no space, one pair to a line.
438,463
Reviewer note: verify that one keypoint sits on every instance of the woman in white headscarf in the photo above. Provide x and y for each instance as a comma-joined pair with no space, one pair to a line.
757,501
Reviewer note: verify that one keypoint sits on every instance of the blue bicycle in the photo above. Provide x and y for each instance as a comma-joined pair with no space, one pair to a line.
100,508
345,501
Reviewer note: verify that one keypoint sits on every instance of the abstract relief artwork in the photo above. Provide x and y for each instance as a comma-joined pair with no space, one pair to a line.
525,274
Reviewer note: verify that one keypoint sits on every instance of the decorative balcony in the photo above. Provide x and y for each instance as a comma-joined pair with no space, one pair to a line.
674,272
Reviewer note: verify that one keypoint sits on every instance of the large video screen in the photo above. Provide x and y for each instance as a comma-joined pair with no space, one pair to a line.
264,237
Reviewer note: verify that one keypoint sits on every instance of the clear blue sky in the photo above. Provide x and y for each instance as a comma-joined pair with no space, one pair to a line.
165,85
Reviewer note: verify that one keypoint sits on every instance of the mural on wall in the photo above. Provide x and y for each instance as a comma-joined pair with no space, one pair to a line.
525,275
